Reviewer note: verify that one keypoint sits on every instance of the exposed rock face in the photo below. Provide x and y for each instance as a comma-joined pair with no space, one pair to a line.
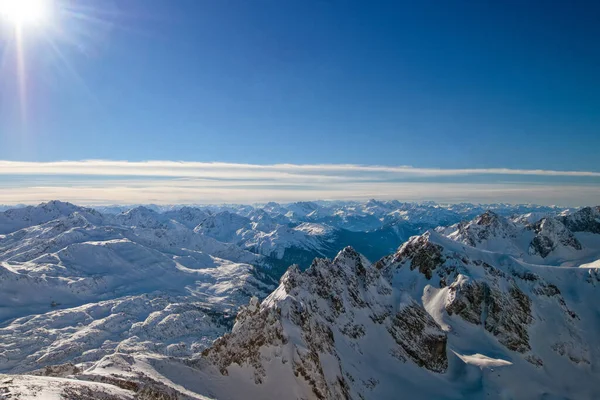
424,255
258,329
420,337
496,302
585,220
541,245
550,234
487,226
319,321
333,301
550,237
424,321
500,300
504,314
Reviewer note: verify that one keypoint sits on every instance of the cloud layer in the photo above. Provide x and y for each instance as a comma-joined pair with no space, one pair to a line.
216,169
124,182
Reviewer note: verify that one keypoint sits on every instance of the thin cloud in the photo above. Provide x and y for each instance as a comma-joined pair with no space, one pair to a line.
217,169
125,182
183,192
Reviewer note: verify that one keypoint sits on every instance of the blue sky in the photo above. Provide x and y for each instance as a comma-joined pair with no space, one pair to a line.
432,84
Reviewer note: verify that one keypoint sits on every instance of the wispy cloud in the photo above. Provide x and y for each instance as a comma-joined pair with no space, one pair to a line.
102,182
216,169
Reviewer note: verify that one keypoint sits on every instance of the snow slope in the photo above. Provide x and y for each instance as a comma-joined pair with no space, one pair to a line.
546,241
86,284
129,305
436,319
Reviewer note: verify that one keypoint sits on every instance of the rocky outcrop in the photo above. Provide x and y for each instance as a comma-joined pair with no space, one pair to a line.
422,322
524,236
317,315
253,329
550,235
487,226
585,220
506,315
314,324
423,255
420,337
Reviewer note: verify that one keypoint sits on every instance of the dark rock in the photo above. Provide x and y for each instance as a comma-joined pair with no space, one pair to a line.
420,337
423,254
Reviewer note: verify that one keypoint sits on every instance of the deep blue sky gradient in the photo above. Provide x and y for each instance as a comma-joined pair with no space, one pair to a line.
446,84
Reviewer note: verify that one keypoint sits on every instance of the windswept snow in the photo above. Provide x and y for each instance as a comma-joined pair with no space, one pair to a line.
593,264
482,361
129,304
27,387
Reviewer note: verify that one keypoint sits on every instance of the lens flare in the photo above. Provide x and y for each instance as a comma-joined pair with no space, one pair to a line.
37,40
24,12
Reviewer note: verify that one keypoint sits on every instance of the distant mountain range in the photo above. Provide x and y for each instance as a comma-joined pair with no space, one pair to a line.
433,301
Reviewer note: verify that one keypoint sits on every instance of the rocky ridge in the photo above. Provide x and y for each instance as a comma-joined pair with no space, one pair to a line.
434,319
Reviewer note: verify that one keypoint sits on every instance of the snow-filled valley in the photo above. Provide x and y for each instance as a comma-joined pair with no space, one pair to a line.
434,301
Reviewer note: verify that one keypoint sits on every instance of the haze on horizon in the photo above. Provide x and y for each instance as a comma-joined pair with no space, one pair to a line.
190,102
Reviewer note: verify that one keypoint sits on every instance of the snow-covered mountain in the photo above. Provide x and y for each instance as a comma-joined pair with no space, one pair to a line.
545,241
585,220
551,236
18,218
129,305
358,216
88,283
436,319
489,231
222,226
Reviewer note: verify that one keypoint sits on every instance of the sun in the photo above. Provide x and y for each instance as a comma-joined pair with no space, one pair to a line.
24,12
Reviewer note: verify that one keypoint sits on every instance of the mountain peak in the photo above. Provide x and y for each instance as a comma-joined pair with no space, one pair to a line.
317,326
58,204
586,219
551,234
59,207
487,218
347,252
18,218
140,210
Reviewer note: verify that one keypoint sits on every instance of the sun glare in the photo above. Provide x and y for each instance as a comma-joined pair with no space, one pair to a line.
24,12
